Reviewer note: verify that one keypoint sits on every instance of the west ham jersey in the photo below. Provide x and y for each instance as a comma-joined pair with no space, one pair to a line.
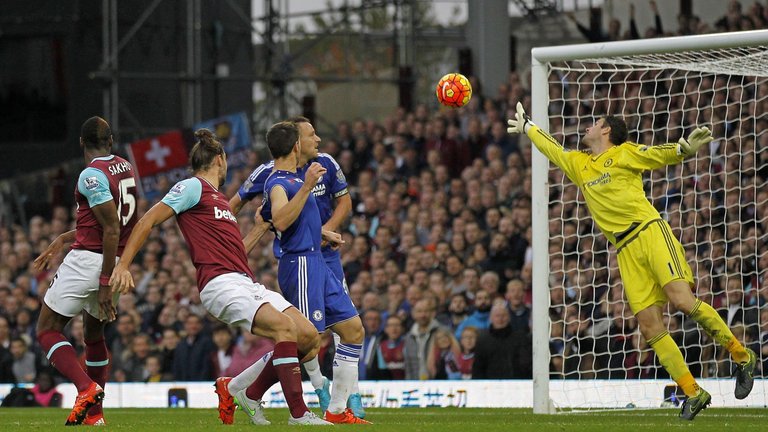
210,229
333,184
105,178
304,234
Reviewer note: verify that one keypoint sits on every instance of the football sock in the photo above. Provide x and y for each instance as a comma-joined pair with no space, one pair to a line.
285,368
313,370
672,359
62,356
718,330
96,366
250,374
344,375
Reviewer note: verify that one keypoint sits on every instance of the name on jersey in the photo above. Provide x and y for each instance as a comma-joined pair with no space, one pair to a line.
223,214
603,179
120,167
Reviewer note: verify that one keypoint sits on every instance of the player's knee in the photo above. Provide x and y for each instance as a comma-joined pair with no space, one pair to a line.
353,333
284,329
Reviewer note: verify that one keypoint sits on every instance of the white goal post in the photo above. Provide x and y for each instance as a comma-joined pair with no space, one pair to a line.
662,87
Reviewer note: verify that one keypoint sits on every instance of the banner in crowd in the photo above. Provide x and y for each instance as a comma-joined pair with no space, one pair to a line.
234,133
161,161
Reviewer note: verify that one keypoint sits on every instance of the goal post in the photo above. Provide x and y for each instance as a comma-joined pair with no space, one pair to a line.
662,87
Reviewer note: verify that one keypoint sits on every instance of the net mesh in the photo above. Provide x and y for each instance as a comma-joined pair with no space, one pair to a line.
715,202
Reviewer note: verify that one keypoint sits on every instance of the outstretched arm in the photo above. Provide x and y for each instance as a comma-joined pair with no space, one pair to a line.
43,261
643,157
550,147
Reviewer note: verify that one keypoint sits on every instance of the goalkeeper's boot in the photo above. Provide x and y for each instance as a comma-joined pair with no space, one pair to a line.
94,420
84,401
226,401
744,378
254,408
694,405
355,403
308,419
324,395
345,417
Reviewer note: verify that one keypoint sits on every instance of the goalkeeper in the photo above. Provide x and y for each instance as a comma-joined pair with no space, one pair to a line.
651,260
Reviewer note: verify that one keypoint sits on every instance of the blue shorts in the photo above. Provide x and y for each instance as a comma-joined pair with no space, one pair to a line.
308,283
333,261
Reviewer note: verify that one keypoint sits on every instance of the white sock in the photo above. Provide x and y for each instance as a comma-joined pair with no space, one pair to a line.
249,375
313,370
337,341
344,375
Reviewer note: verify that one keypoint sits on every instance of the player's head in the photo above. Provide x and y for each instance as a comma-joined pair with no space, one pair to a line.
308,139
207,154
95,134
610,128
283,140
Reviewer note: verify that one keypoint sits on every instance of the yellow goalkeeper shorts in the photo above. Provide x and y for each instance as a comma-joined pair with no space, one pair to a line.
649,258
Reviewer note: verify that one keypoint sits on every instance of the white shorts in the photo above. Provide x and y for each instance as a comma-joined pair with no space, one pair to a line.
234,298
76,284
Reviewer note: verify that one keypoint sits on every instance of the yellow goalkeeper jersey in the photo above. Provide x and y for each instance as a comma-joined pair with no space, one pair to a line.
612,182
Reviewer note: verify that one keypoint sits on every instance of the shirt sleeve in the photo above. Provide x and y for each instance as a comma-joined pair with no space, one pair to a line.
184,195
645,157
254,185
94,186
337,180
553,150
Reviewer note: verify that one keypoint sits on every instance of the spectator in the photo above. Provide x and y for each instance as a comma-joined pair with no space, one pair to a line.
246,351
442,360
521,313
25,363
418,341
480,318
468,342
502,353
222,357
371,342
389,362
192,358
45,392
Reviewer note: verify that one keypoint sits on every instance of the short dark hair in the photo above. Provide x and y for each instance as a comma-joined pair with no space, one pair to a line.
205,150
299,119
96,133
281,138
618,127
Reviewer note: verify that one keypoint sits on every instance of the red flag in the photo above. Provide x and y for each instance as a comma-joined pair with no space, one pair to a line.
159,154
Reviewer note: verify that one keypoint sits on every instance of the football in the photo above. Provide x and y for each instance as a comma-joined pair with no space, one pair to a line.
454,90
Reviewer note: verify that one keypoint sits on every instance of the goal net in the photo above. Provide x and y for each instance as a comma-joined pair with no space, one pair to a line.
588,352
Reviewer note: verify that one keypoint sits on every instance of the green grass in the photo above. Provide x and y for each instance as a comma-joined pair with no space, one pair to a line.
410,420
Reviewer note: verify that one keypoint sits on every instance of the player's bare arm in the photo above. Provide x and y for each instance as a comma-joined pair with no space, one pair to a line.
121,280
236,204
43,262
340,212
106,214
260,226
285,212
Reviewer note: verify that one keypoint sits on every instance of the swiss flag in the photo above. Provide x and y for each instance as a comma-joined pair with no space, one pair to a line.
159,154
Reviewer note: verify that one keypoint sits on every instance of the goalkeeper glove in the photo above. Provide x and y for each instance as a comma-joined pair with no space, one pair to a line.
521,123
697,139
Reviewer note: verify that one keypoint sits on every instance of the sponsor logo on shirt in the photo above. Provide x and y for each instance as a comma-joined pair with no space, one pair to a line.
603,179
319,189
91,183
223,214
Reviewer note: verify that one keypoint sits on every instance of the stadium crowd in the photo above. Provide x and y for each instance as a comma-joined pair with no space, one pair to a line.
438,249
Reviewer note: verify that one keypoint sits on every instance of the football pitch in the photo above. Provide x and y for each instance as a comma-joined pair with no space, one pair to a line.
409,420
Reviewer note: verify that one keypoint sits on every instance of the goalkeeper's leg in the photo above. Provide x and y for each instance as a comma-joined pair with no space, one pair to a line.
679,293
652,328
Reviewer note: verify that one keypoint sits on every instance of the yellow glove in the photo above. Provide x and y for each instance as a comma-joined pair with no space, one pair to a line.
521,123
697,139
